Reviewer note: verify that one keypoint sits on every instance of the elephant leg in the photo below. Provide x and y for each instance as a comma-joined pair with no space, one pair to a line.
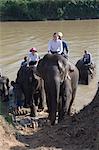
41,99
71,102
52,96
27,100
36,99
60,110
30,102
33,109
47,97
27,96
66,96
62,102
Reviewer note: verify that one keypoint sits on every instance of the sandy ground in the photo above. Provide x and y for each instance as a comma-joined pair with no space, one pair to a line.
7,136
79,132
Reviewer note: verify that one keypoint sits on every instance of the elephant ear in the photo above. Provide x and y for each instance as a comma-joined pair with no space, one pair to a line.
63,68
40,68
71,67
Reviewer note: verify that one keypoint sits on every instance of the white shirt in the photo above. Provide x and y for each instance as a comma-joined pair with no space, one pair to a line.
33,57
55,46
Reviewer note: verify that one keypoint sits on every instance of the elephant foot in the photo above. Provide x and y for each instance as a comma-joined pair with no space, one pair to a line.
68,112
53,123
26,105
60,120
52,120
33,112
49,120
61,117
40,109
40,106
46,111
32,115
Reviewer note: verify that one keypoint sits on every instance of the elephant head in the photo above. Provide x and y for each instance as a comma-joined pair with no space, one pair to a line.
56,61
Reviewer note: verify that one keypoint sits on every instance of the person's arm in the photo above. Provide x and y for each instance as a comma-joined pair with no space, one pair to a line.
49,46
90,58
37,57
28,57
65,47
60,47
84,58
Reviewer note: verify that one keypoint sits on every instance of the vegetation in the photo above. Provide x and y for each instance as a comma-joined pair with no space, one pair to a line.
48,9
0,108
7,117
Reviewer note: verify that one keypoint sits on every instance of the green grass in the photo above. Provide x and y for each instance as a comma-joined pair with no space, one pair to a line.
7,117
1,108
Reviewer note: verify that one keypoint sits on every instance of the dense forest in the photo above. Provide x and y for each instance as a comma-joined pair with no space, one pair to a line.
13,10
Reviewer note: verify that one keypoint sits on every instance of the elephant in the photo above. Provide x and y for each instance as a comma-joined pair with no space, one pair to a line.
32,88
60,84
86,72
4,88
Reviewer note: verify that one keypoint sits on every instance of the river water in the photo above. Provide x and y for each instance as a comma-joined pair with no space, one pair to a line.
16,38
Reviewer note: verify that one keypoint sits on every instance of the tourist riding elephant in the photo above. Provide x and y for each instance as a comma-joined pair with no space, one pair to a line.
32,87
60,83
86,72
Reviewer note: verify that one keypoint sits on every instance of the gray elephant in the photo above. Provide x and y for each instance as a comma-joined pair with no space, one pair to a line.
32,88
60,83
86,72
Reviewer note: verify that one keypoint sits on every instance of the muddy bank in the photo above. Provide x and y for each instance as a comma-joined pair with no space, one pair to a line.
81,131
7,135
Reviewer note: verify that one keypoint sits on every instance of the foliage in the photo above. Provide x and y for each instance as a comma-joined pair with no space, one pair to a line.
48,9
0,108
7,117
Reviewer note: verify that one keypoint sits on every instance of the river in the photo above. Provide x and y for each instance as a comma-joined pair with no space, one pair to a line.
16,38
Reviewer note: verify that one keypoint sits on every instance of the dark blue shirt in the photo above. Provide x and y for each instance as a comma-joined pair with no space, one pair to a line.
65,48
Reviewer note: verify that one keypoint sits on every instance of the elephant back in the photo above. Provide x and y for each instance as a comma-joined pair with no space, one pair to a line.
80,64
86,72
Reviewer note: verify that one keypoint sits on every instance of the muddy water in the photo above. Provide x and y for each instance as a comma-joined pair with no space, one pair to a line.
16,38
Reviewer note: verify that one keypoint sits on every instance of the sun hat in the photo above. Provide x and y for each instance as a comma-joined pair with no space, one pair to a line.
33,49
60,34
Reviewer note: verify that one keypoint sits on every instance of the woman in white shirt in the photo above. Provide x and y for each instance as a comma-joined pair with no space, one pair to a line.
55,45
33,57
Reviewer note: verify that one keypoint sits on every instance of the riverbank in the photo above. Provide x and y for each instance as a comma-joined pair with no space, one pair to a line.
7,136
80,131
34,10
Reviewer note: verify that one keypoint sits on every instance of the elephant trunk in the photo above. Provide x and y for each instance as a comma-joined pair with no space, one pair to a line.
52,89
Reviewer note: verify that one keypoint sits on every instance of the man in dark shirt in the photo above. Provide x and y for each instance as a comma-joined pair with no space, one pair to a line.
64,43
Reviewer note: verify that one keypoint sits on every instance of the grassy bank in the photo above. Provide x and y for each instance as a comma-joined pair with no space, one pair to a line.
4,113
12,10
